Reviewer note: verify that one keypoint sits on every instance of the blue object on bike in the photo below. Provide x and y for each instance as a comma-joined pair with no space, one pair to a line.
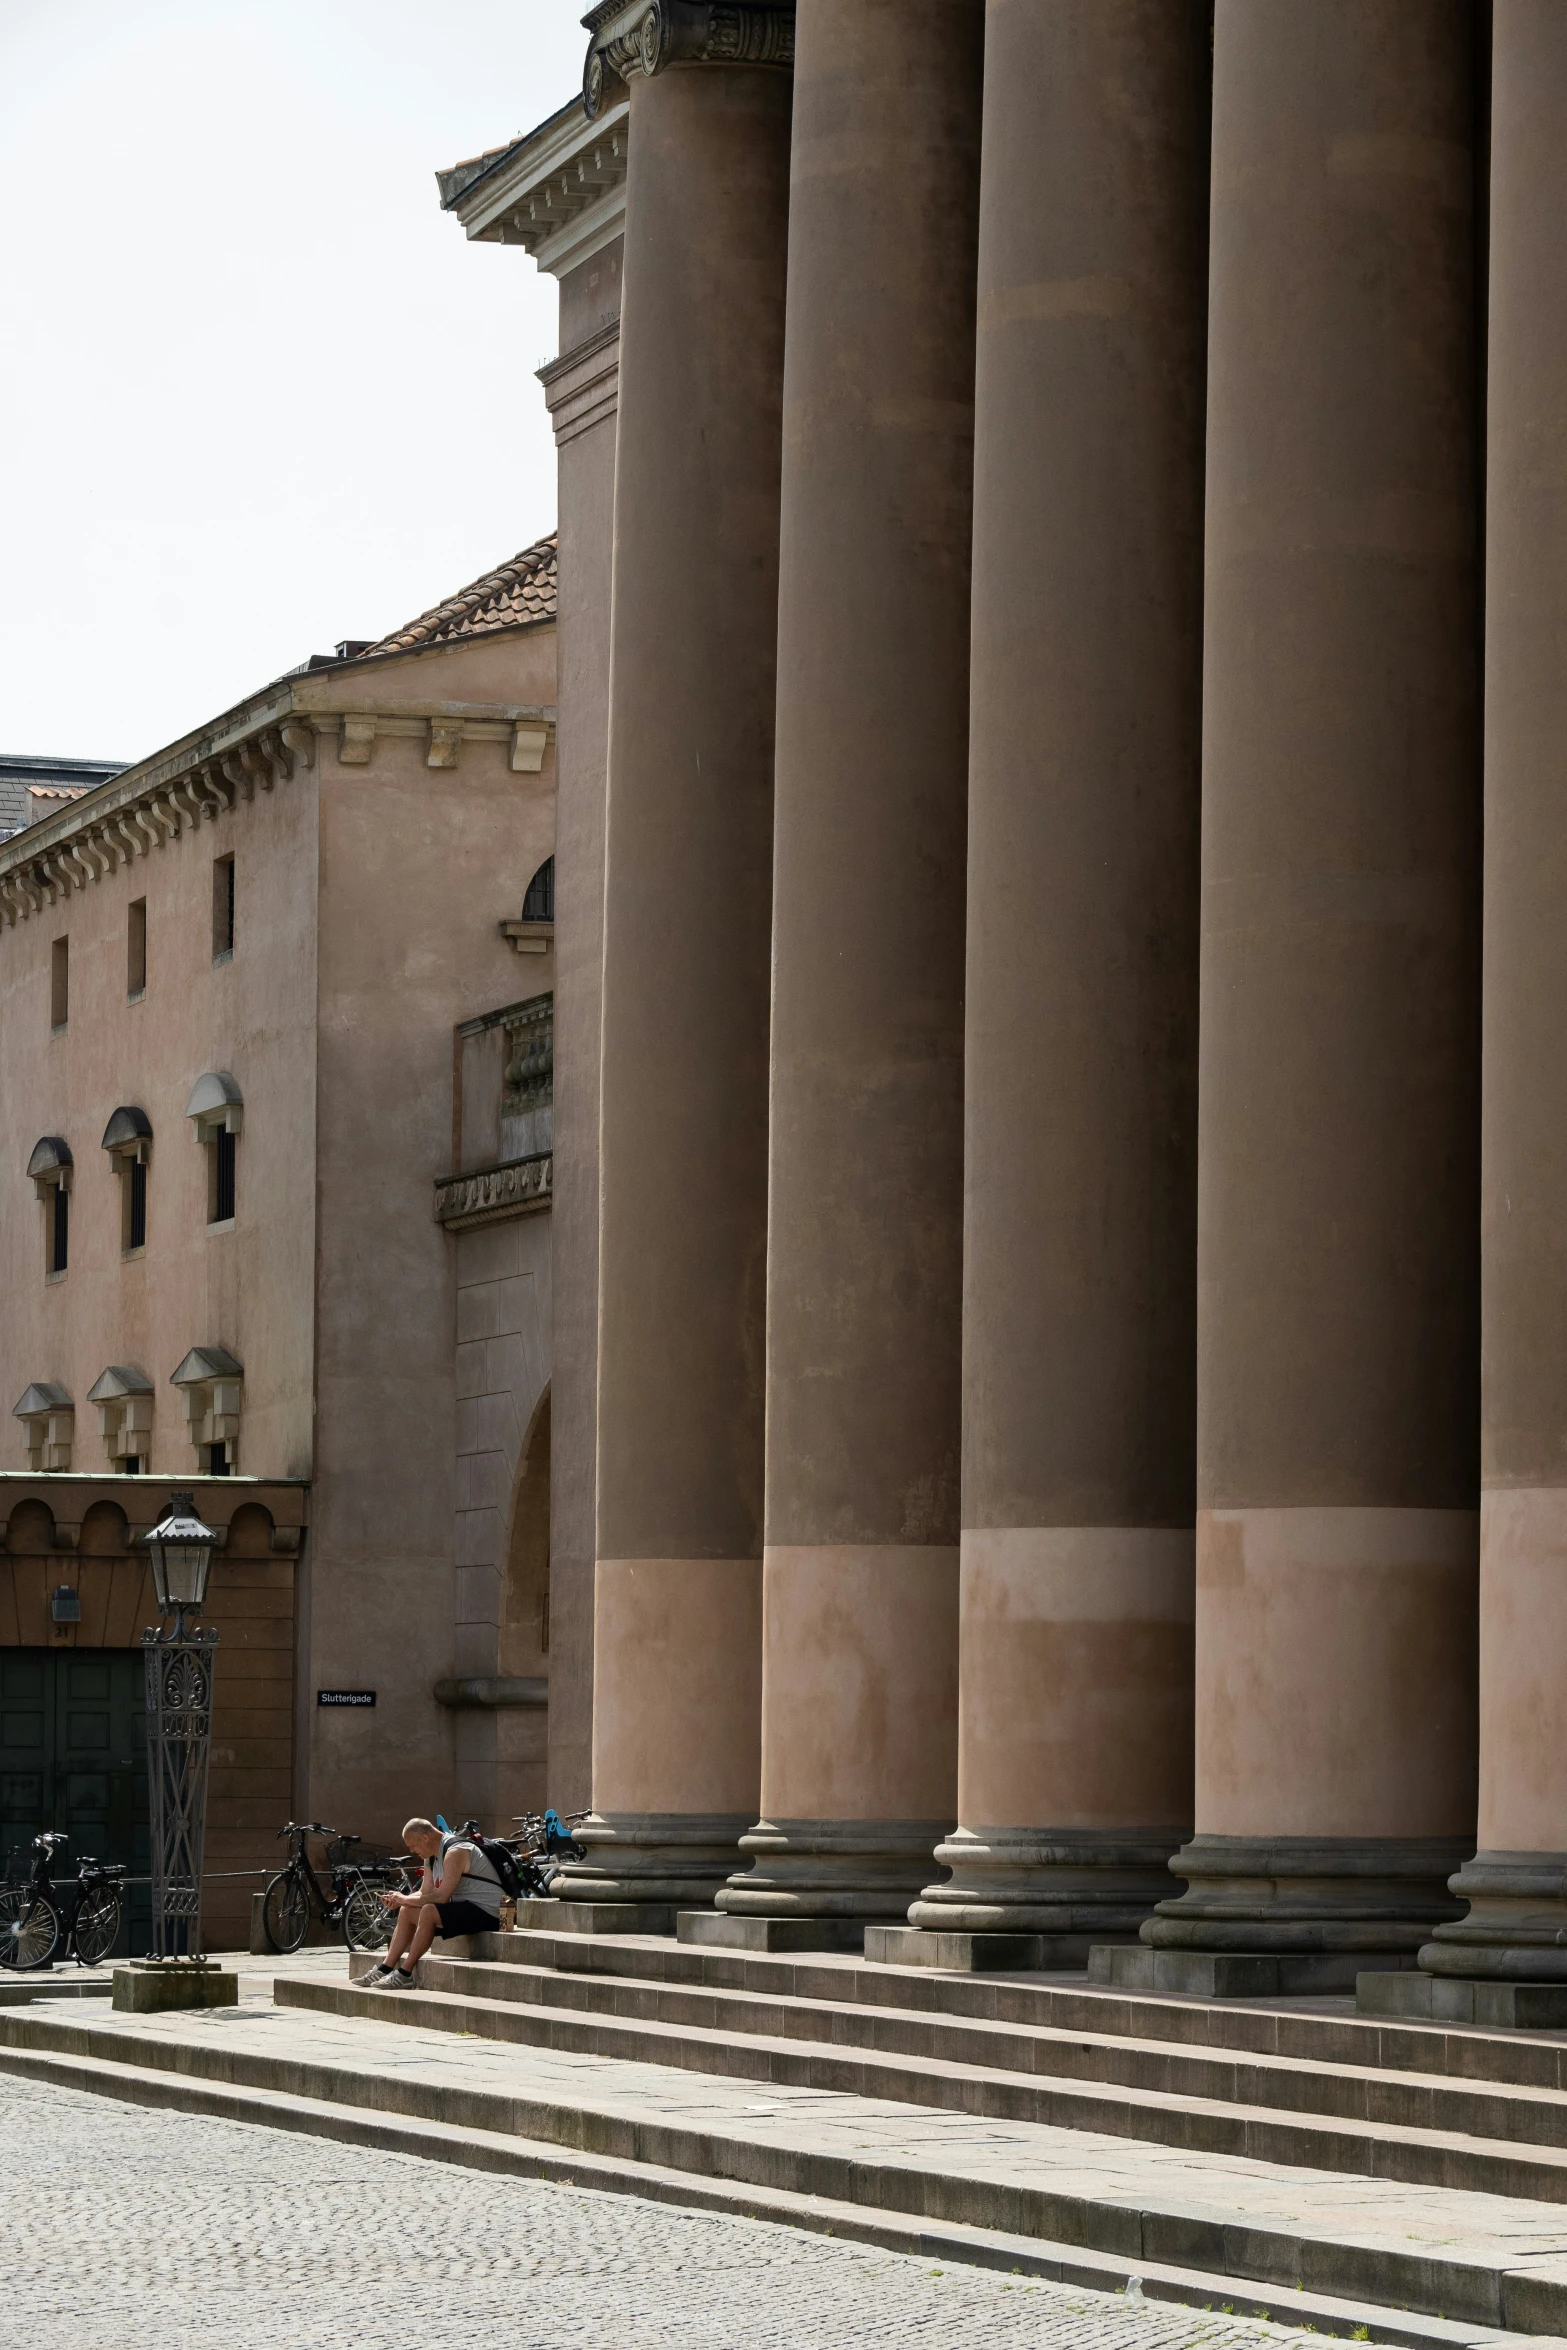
441,1824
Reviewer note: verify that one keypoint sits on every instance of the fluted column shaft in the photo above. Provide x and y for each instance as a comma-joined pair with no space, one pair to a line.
1517,1925
677,1623
1079,1362
1338,1113
864,1239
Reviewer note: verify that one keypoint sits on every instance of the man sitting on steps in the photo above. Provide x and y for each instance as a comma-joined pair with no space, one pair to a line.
458,1893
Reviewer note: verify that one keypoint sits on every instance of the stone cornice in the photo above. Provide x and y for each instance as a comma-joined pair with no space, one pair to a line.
560,193
644,36
254,747
519,1188
582,386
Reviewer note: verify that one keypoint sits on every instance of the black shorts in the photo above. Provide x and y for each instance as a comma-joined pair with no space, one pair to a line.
465,1917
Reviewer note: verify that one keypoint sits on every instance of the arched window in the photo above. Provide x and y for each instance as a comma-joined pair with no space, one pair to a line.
212,1383
48,1418
538,899
50,1168
128,1140
124,1397
217,1110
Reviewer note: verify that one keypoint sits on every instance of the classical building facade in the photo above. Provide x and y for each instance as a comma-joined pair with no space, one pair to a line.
1080,1245
275,1045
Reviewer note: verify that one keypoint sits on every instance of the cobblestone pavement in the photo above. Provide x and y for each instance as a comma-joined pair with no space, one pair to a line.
125,2224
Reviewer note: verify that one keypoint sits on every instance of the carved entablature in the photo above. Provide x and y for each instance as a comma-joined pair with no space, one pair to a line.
643,36
141,809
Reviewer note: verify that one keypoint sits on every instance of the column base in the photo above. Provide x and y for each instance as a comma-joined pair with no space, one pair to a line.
715,1930
1516,1927
1093,1883
595,1917
1419,1998
977,1954
833,1868
1203,1974
148,1986
673,1860
1350,1903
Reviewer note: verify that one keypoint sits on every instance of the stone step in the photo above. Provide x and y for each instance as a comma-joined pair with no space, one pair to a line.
1413,2156
1365,2250
1318,2031
950,2242
1400,2100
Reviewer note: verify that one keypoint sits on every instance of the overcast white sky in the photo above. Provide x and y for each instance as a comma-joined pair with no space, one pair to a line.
257,392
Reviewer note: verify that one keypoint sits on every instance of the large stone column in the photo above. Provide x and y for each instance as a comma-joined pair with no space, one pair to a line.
683,1136
865,1213
1516,1928
580,389
1337,1528
1079,1346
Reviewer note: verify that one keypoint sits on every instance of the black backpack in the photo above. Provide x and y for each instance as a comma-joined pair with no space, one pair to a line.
502,1860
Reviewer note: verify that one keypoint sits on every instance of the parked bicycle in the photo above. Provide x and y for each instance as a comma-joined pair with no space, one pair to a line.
543,1845
350,1901
37,1916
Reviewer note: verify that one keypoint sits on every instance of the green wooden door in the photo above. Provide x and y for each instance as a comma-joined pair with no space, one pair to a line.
73,1755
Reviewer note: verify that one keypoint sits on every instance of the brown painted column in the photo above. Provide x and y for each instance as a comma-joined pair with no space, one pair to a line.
1517,1926
1080,1165
865,1214
683,1137
1337,1527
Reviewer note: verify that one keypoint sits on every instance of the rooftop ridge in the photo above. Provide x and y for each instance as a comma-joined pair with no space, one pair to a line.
516,592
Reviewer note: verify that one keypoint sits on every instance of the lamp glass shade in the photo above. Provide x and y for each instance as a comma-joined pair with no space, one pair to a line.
181,1549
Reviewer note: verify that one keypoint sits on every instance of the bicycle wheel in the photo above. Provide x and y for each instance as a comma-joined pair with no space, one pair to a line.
97,1924
285,1912
29,1929
367,1922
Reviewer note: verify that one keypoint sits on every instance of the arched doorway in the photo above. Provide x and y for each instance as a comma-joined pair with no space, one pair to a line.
71,1698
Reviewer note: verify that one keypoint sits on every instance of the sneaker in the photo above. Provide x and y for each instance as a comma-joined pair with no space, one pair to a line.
376,1977
398,1979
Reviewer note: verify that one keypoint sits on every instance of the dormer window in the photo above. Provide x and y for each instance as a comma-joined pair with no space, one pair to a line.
48,1418
217,1110
124,1397
128,1140
212,1383
50,1169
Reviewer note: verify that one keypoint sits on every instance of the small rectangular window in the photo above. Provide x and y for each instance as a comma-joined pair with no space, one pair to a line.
222,909
217,1460
59,983
59,1229
136,949
223,1158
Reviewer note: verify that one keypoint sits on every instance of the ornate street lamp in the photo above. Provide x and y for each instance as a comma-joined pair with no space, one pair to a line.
179,1660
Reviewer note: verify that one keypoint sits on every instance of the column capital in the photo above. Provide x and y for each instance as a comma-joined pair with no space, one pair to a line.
643,36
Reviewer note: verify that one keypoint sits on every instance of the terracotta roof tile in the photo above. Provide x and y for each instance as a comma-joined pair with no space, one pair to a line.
520,591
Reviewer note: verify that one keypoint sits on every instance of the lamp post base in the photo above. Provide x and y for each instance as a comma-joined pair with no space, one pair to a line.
147,1985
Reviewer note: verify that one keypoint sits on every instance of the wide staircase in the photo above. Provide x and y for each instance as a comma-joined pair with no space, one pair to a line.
1394,2182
